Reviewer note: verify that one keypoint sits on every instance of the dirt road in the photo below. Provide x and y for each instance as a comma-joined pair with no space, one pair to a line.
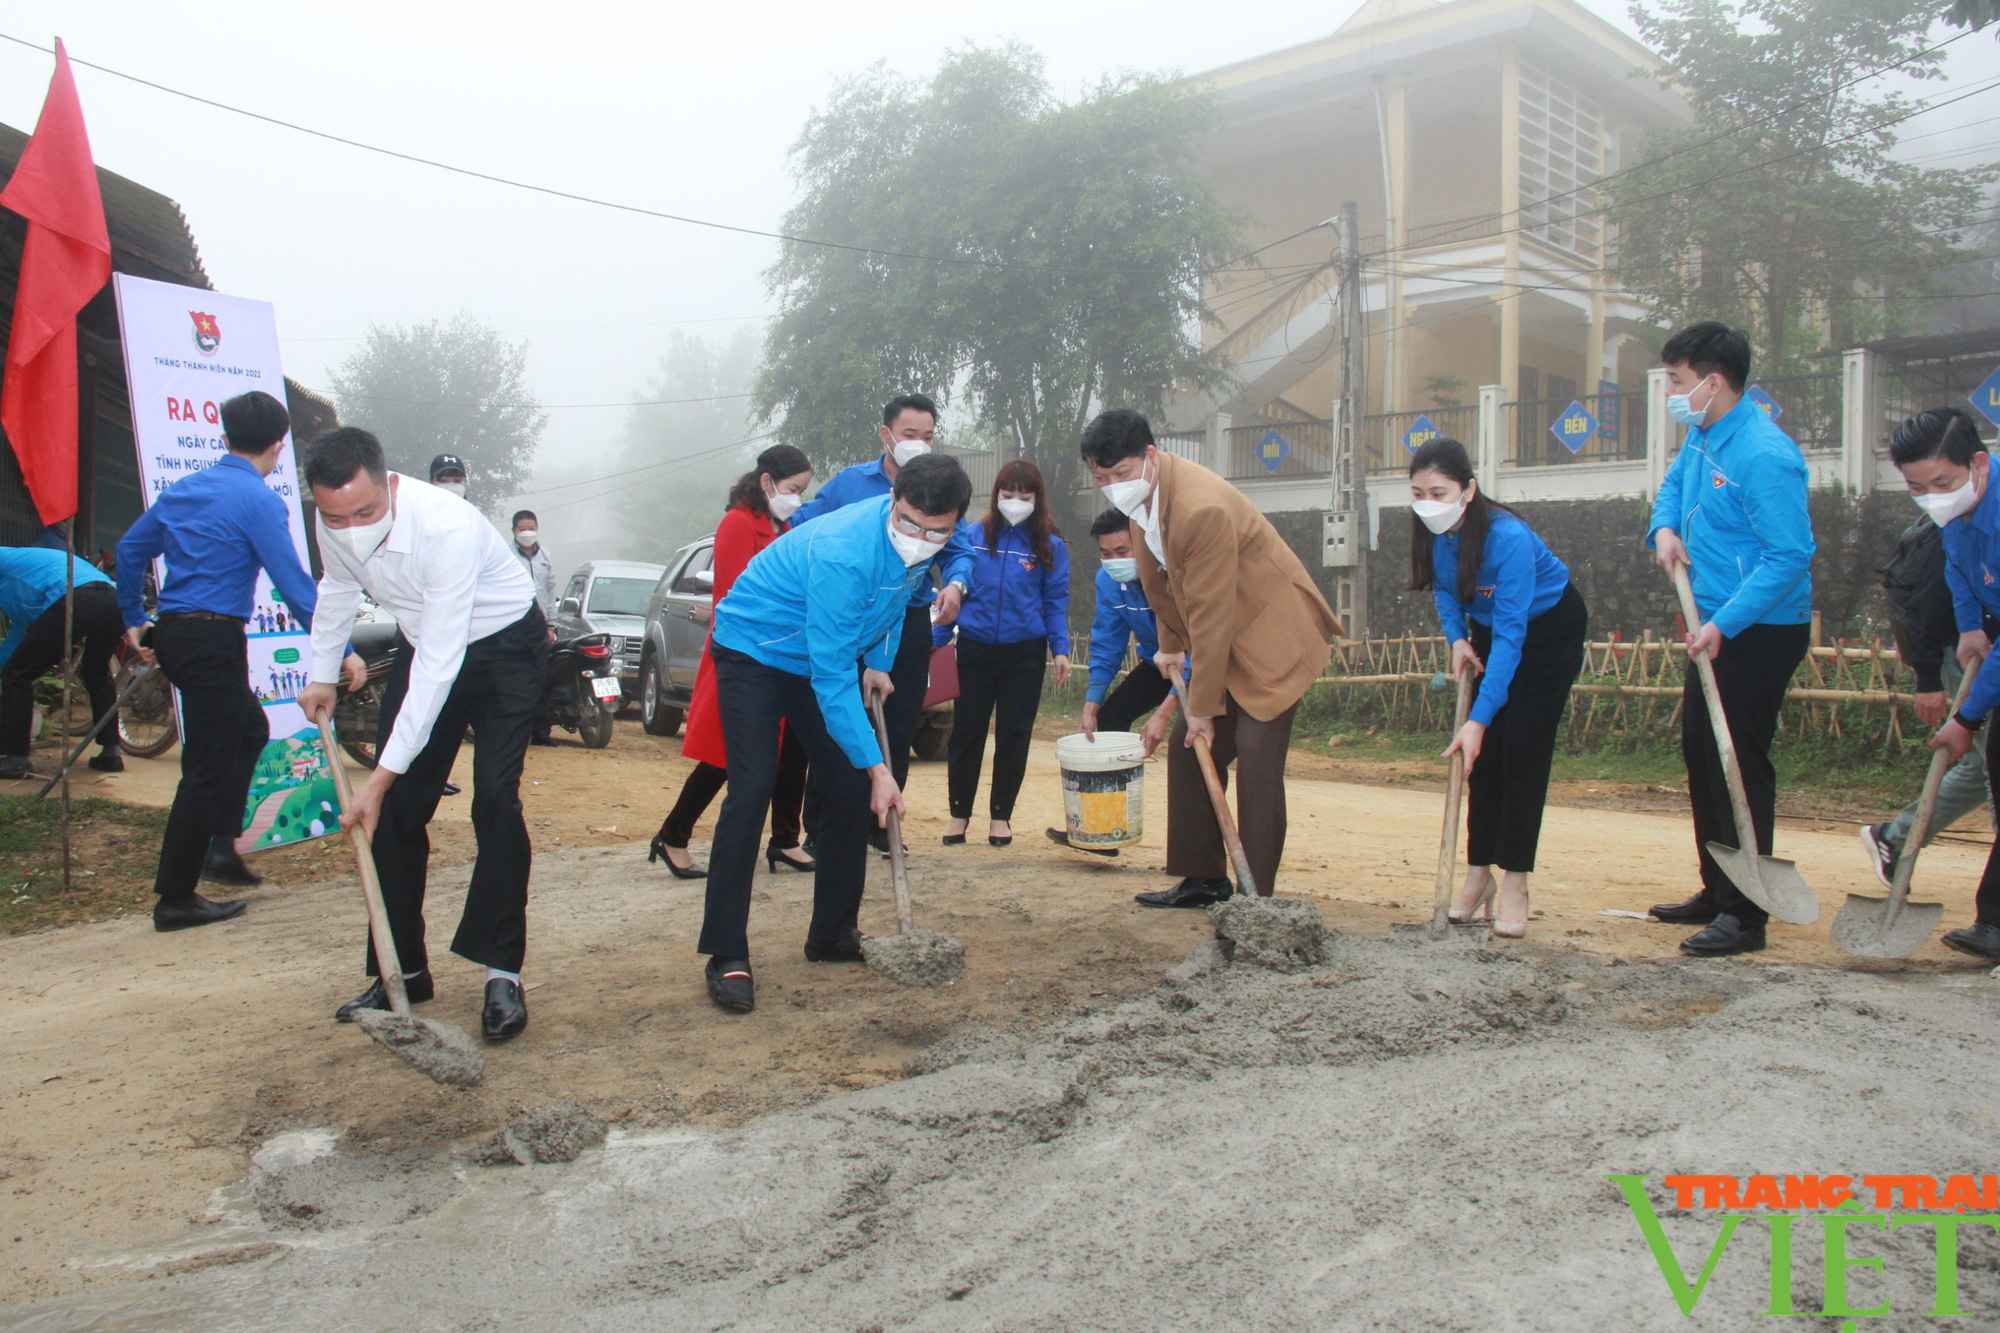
140,1070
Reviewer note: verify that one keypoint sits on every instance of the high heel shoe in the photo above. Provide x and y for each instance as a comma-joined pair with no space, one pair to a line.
1472,916
775,858
1000,839
1513,928
658,852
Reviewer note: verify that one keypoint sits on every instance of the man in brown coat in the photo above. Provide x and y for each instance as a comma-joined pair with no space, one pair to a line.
1234,600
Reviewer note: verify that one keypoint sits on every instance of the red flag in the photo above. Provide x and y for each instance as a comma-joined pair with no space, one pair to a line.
65,261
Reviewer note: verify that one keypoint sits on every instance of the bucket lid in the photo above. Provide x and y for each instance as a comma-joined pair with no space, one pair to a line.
1111,750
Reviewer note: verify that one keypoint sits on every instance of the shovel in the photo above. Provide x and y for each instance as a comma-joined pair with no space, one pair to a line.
1893,927
1771,882
1246,883
1448,845
910,957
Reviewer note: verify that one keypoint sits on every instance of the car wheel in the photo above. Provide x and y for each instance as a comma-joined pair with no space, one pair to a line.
655,715
930,742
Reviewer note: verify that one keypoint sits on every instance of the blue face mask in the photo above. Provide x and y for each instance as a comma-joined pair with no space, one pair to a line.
1124,571
1680,406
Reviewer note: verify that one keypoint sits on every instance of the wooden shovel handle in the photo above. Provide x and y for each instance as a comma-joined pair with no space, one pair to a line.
386,961
905,919
1920,824
1454,794
1718,721
1246,883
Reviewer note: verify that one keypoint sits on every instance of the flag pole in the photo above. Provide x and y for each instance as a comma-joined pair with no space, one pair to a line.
69,637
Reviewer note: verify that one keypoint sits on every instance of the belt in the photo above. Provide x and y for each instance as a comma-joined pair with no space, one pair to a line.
199,615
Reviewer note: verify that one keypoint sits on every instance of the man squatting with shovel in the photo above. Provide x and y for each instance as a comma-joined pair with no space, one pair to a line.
1732,508
217,528
472,649
1229,592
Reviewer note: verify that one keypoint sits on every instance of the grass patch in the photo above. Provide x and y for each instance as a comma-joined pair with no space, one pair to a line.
115,850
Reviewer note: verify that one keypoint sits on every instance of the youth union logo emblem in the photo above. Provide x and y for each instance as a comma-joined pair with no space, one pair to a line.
207,333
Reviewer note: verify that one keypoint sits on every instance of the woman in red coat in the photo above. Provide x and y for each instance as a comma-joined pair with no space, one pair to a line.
760,507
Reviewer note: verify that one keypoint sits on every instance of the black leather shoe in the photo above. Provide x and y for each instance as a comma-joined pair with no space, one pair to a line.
450,789
1189,893
1979,940
506,1010
108,761
193,910
731,985
1696,911
1725,935
18,766
834,951
416,989
222,865
879,840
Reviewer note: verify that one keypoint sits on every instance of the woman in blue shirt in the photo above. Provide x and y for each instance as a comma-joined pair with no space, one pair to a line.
1017,614
1482,563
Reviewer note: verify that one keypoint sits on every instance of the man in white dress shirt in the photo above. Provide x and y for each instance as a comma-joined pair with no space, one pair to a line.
472,648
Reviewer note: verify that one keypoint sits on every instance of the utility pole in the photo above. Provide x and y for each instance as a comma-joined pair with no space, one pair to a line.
1347,507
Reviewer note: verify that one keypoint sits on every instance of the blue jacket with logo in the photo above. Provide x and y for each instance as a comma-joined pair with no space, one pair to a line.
1017,598
1519,578
818,599
1972,572
1736,496
31,581
866,481
1123,614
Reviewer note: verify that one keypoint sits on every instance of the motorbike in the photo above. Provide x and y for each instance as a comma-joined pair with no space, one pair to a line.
583,691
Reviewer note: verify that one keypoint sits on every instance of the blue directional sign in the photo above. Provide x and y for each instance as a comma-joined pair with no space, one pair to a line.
1987,397
1766,404
1608,410
1273,450
1574,427
1420,433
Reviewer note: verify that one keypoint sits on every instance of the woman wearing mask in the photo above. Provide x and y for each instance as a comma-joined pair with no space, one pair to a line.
761,505
1019,612
1483,564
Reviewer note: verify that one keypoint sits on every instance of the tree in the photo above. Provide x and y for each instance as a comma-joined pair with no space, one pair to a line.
1973,14
454,388
1047,257
680,456
1780,208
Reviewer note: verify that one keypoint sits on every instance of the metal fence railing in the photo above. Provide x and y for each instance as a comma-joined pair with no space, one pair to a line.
1808,407
1181,446
1279,449
1389,438
1540,432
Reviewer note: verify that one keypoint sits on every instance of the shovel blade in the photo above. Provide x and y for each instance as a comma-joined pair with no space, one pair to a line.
1863,927
1771,882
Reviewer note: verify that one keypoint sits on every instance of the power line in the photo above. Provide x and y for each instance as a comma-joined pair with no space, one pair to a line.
556,328
630,402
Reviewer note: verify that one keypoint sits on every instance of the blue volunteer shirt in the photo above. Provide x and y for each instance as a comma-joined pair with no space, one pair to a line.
816,600
31,581
216,527
1519,578
1735,494
1972,572
1019,598
867,481
1122,615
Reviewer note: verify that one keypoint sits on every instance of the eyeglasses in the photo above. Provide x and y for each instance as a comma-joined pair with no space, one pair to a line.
935,536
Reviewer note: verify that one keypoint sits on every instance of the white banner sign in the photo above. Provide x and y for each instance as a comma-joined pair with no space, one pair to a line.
187,351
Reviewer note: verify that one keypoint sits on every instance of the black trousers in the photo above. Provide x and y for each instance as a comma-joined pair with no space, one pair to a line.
1509,786
498,685
787,797
999,685
1142,690
911,675
753,700
1752,673
223,731
97,626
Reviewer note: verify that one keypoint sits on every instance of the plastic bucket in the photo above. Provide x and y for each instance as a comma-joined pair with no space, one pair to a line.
1104,788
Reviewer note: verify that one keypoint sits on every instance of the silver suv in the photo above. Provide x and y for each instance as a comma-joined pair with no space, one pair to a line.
609,597
677,618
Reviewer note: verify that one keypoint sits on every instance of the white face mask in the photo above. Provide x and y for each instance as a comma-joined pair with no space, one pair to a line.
1130,497
904,450
451,488
1949,505
527,539
363,539
914,550
1438,515
1016,511
783,504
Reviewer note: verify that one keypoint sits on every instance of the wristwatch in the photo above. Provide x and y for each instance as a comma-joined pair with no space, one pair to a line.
959,584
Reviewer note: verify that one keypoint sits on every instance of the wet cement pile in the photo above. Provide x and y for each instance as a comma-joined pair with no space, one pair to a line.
1404,1135
915,957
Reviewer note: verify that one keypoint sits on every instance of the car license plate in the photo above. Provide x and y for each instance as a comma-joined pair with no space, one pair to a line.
605,687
